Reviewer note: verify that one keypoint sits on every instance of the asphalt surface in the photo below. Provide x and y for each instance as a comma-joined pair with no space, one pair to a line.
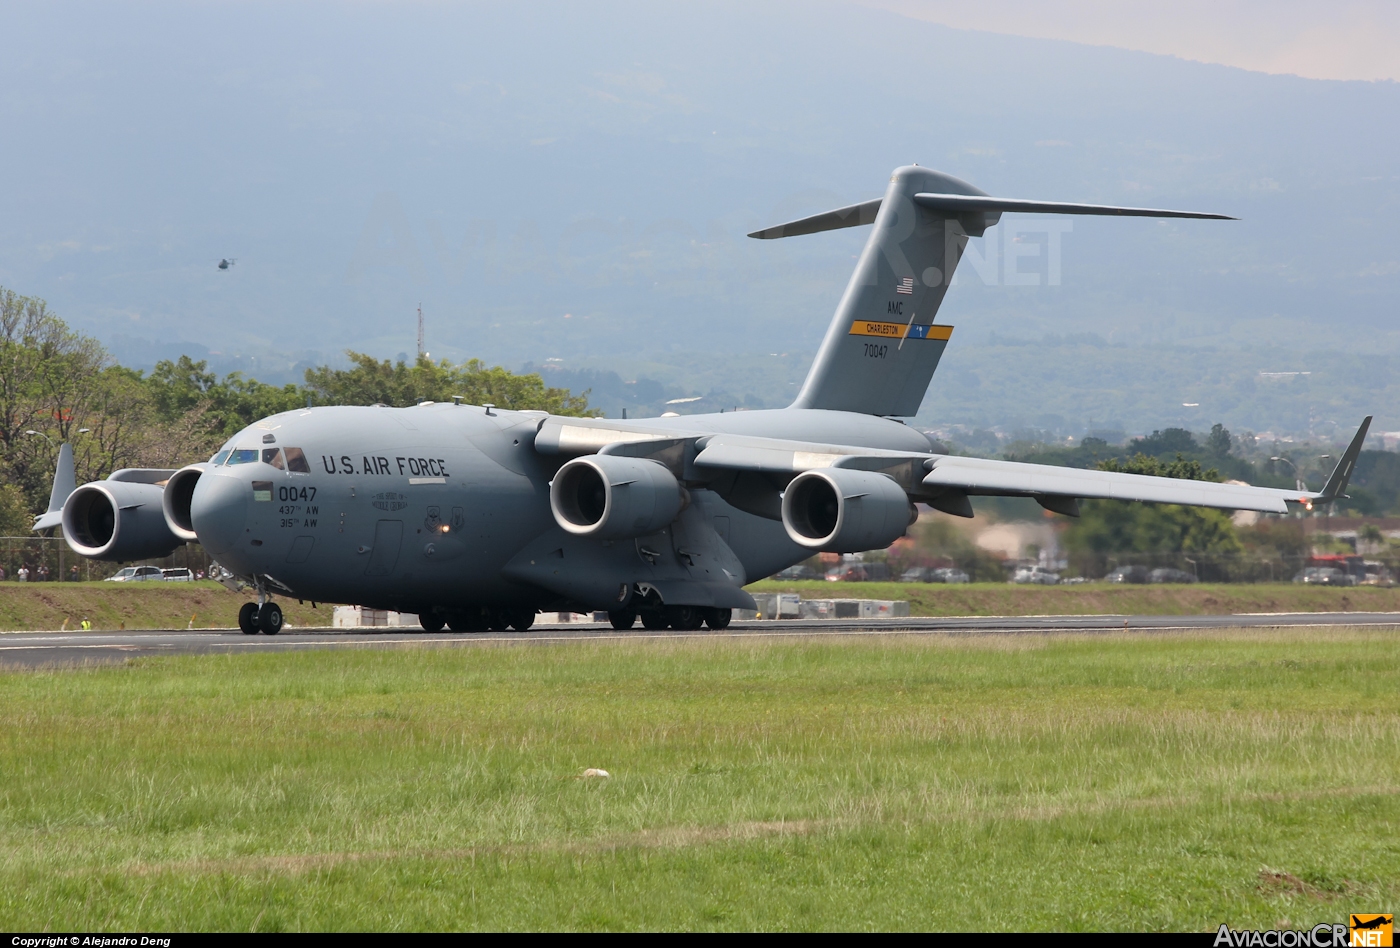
31,649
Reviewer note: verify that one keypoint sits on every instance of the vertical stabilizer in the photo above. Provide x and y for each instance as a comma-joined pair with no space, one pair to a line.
882,346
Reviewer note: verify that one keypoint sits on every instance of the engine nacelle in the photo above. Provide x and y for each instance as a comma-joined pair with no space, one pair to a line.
844,511
175,502
118,521
614,498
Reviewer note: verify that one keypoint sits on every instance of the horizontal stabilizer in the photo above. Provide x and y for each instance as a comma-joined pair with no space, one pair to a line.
855,215
957,203
852,216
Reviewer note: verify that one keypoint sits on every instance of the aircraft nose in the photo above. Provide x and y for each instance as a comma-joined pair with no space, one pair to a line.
219,511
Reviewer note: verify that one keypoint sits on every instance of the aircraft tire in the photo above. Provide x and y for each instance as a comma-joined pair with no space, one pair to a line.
521,618
717,619
623,618
431,621
248,618
685,618
499,620
270,618
654,620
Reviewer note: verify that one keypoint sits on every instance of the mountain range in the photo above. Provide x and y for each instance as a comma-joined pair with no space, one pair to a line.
568,187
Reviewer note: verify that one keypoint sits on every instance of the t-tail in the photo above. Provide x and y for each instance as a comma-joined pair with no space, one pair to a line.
883,344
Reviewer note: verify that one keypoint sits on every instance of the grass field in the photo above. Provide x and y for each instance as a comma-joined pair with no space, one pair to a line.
1008,599
1172,781
44,606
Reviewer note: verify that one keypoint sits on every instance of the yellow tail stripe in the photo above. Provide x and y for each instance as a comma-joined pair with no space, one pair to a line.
866,327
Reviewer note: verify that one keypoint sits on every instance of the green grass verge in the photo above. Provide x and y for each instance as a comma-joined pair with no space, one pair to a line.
1008,599
43,606
205,605
980,782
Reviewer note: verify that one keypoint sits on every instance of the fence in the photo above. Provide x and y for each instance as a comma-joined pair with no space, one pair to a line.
1205,567
49,559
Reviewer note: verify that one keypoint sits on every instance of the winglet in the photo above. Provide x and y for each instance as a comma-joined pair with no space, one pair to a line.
65,481
1337,483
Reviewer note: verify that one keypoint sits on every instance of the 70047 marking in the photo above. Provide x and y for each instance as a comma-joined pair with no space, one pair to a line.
873,351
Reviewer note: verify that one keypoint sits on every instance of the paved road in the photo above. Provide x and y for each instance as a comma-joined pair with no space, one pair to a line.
65,648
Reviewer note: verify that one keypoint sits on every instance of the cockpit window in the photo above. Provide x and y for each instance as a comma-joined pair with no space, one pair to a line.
296,461
243,456
219,458
273,456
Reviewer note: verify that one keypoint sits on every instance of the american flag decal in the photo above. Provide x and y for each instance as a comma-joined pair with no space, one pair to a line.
906,286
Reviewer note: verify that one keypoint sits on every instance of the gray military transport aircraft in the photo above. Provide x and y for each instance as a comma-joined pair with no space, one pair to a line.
476,518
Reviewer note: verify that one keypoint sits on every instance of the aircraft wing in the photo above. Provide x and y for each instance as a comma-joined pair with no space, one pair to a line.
945,481
978,476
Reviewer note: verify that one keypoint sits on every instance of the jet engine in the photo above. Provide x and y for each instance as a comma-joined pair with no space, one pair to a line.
179,491
613,498
843,511
118,521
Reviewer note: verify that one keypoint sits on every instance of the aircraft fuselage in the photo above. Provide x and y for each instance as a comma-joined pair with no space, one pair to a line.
440,505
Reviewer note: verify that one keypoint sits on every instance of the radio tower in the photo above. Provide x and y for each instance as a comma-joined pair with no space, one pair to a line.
420,330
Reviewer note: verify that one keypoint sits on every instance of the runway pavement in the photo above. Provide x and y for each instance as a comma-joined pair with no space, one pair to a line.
30,649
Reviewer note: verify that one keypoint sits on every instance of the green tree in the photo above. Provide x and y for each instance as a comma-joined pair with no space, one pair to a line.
398,384
15,518
47,373
1115,526
1156,467
1168,441
185,387
1219,442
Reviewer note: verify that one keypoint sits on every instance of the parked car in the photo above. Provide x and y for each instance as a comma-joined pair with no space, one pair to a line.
1325,576
132,574
797,572
859,573
179,575
1165,575
1128,574
1038,575
929,574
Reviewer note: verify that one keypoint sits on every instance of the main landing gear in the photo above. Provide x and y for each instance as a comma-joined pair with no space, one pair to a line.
680,618
266,618
479,619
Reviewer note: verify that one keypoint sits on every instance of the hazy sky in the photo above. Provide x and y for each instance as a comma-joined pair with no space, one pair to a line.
571,184
1339,39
